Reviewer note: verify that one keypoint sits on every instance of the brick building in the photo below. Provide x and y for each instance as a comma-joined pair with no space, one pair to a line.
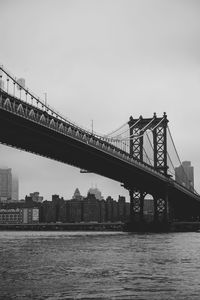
19,215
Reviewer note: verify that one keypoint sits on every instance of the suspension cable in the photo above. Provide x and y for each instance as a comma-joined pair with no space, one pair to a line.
157,125
106,135
146,126
149,140
174,145
127,130
141,130
147,156
136,136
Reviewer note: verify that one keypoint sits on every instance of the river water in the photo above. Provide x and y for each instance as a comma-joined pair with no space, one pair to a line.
103,265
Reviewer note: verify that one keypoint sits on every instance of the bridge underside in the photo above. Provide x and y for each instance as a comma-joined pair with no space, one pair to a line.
35,138
169,202
169,206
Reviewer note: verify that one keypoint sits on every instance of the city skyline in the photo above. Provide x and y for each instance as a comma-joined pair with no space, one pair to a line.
15,181
102,69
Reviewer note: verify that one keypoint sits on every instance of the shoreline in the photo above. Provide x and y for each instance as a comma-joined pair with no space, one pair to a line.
118,226
64,227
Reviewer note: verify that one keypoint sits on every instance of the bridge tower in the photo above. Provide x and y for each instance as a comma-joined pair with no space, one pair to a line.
137,128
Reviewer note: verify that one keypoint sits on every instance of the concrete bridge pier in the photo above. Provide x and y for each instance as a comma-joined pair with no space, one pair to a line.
162,214
136,205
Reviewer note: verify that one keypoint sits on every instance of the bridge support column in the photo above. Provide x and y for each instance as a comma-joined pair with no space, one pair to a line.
161,208
136,205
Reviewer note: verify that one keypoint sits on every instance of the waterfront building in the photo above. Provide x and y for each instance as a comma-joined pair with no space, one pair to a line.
121,208
19,215
184,174
109,209
48,212
11,216
59,207
91,209
115,212
30,215
62,213
75,210
102,208
88,209
5,185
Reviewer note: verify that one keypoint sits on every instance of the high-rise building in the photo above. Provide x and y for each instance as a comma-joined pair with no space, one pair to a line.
77,195
21,82
5,185
15,188
184,174
35,197
96,192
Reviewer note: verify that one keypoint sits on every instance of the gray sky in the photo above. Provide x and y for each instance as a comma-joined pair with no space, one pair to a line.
104,60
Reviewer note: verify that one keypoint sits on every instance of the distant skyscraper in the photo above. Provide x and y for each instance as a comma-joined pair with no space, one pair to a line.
36,197
184,174
5,185
21,81
96,192
77,195
15,188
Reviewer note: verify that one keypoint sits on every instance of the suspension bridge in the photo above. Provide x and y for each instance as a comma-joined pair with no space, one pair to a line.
136,154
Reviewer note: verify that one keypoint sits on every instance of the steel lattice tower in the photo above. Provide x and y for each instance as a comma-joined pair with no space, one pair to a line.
137,128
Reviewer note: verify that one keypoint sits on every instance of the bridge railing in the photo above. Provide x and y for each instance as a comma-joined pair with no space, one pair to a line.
28,96
38,115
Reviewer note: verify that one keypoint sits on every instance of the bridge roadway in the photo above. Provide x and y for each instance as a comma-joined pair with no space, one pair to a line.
26,127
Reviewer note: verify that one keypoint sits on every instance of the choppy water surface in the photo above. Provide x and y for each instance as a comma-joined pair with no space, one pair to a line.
90,265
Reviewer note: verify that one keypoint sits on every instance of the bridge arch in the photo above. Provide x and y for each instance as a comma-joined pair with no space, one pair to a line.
148,208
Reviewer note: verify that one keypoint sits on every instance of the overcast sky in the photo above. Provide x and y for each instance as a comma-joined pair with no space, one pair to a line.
104,61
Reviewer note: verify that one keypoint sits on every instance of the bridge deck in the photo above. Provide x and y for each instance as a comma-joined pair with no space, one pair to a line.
35,130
